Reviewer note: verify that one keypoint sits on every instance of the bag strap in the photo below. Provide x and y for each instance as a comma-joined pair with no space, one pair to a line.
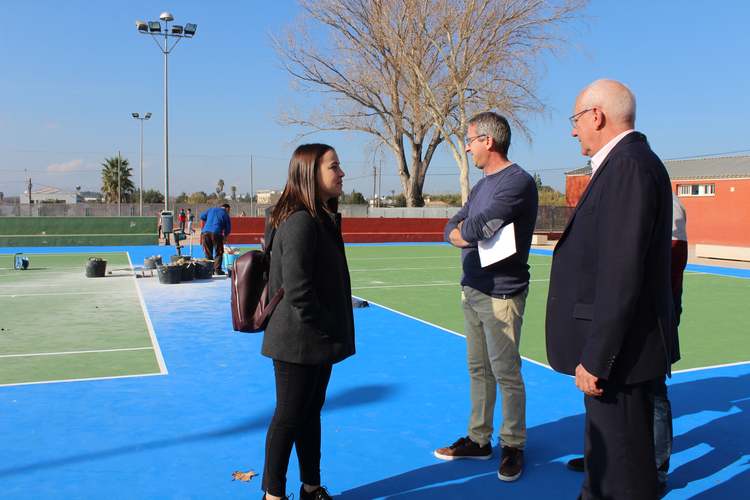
267,245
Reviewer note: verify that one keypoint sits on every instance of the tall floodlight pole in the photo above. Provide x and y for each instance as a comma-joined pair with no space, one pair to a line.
177,32
141,119
119,194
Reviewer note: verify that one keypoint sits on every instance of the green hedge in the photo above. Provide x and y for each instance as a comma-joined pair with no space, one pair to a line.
77,231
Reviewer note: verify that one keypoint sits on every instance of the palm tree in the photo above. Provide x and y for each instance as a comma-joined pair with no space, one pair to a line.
109,180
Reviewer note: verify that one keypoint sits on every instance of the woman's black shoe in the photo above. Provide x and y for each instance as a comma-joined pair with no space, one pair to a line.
320,494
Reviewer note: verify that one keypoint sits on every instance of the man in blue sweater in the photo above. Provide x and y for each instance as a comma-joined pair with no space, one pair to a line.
494,297
216,228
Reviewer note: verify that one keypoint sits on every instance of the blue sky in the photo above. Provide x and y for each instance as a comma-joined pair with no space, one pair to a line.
75,70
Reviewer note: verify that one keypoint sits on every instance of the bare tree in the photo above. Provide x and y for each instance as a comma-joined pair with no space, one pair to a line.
371,88
488,52
411,72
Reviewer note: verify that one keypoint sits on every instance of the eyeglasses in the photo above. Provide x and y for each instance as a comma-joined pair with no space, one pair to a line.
574,119
469,140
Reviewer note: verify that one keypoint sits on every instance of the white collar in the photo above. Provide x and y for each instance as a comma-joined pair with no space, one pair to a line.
601,155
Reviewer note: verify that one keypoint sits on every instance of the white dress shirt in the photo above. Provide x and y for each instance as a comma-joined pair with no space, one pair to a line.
601,155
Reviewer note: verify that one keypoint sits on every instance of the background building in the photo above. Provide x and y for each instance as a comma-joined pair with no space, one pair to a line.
715,193
50,194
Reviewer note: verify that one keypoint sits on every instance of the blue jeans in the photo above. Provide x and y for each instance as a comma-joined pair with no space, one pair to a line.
662,431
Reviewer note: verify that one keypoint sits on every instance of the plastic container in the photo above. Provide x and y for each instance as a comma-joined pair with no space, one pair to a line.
167,222
169,275
188,271
228,261
96,267
204,269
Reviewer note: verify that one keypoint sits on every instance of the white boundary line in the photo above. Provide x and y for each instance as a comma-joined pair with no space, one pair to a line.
442,328
154,342
65,254
402,269
13,295
687,370
439,283
81,379
63,353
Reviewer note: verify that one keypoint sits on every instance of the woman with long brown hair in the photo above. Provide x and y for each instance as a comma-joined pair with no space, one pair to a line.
313,326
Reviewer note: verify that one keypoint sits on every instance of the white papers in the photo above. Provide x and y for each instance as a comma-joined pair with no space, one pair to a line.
500,246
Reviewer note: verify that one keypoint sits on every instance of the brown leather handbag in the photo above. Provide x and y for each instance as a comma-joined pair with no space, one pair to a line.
251,307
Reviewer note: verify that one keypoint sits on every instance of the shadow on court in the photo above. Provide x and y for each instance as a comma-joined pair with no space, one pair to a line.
711,456
358,396
712,427
549,445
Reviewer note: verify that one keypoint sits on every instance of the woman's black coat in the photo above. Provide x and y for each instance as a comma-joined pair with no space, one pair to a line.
313,324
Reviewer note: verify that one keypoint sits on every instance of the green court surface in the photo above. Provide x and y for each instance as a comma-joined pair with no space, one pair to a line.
422,281
59,325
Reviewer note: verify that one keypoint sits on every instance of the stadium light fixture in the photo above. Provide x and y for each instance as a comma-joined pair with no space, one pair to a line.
137,116
166,38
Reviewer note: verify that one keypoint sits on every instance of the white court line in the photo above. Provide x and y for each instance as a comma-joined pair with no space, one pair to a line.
402,258
686,370
149,325
14,295
81,379
701,273
403,269
439,283
63,353
443,329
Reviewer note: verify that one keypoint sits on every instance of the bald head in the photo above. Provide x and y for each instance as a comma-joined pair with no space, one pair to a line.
615,100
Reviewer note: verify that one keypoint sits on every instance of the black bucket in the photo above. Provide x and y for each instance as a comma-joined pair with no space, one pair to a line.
96,267
169,275
204,269
188,271
175,258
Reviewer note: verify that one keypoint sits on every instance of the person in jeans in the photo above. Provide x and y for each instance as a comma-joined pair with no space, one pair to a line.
494,297
313,325
216,229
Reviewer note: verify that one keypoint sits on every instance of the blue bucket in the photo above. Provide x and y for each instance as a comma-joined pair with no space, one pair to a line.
228,261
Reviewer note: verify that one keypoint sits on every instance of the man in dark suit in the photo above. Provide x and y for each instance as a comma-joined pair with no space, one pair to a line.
610,318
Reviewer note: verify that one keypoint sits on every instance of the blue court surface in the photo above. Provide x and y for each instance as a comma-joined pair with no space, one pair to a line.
405,393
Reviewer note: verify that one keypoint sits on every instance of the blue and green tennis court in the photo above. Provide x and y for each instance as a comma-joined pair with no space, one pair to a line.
126,388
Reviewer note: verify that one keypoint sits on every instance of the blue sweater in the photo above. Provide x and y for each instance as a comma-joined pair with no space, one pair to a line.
217,221
509,195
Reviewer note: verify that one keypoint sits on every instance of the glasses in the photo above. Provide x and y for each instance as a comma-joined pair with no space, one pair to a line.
469,140
574,119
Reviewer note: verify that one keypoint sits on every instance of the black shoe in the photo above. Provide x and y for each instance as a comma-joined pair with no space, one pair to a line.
219,272
575,464
464,448
320,494
511,464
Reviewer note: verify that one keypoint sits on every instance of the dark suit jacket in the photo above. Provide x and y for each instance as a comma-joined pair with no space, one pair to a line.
609,305
313,324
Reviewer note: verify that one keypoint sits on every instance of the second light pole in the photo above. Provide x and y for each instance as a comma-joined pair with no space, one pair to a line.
141,119
156,29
